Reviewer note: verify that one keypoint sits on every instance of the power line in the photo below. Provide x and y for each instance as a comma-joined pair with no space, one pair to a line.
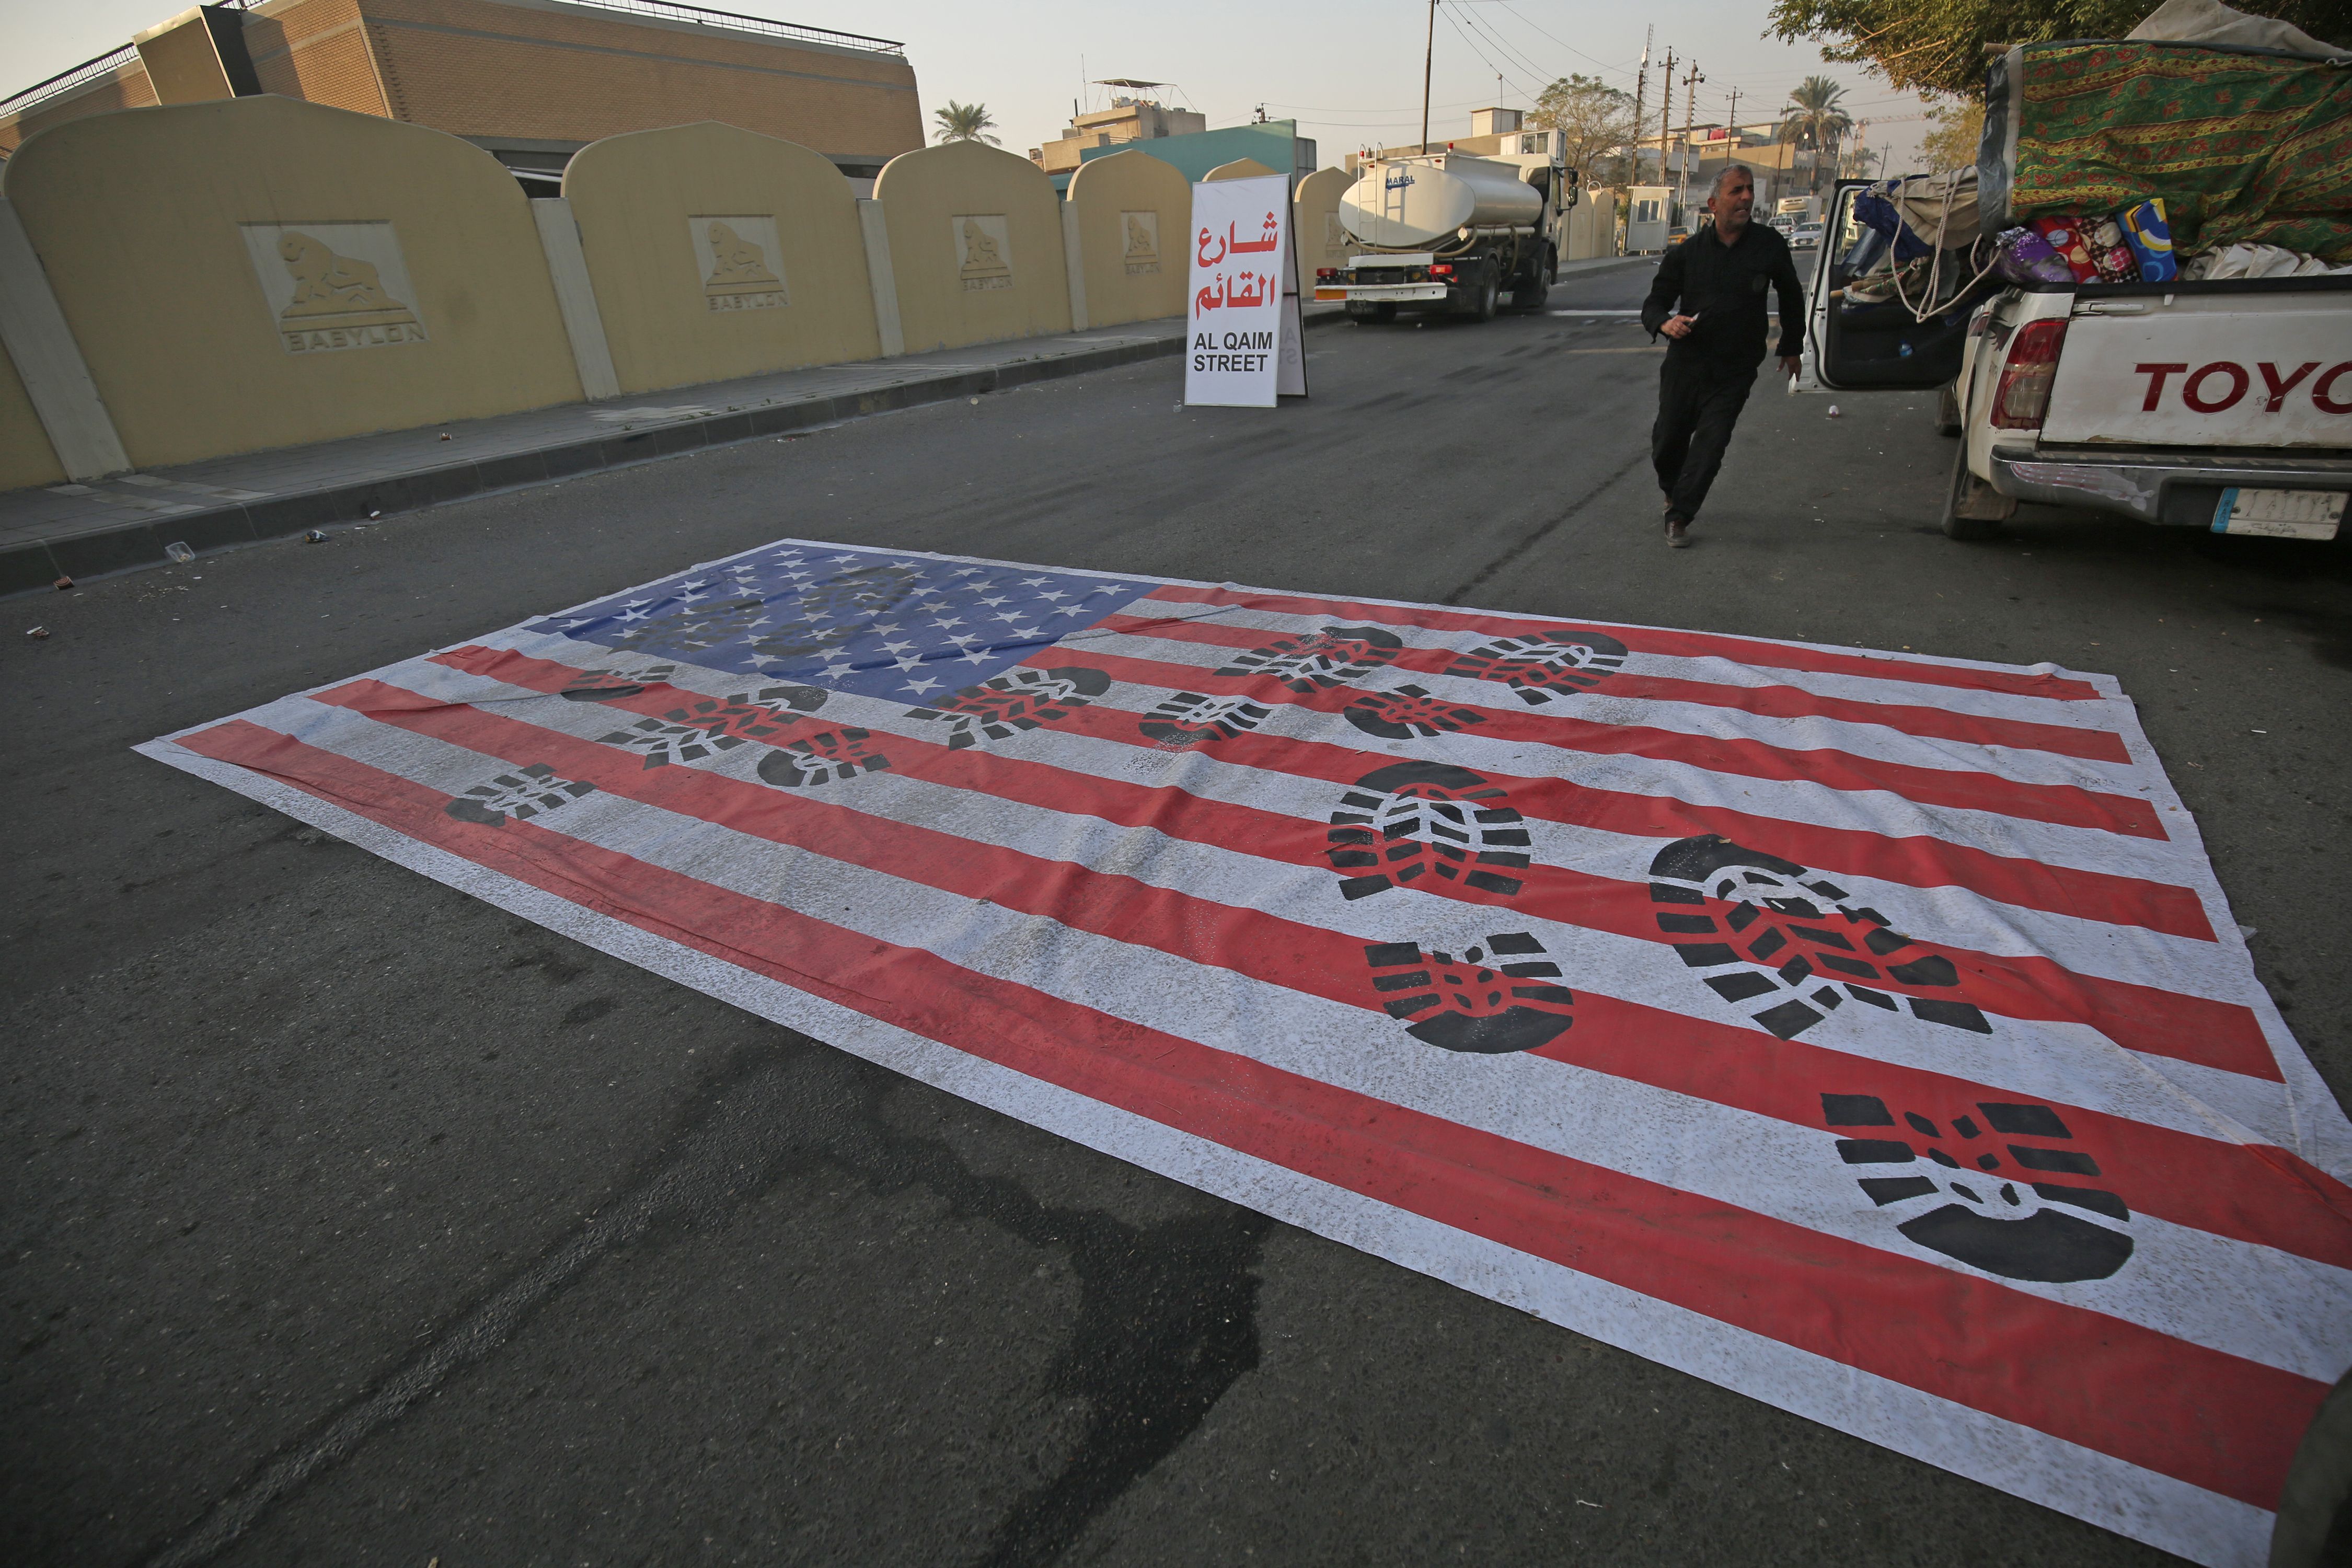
1474,49
1571,49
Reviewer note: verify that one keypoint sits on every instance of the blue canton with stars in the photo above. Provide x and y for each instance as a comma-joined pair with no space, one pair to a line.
882,626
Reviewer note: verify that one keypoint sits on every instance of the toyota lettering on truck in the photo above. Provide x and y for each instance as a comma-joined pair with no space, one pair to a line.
2161,341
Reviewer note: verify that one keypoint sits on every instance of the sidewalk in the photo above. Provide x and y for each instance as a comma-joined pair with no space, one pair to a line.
84,531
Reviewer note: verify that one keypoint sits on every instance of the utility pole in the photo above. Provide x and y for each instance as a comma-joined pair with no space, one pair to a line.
1633,150
1690,102
1428,58
1666,115
1641,91
1735,117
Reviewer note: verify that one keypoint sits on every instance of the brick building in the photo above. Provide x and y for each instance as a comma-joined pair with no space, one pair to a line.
531,81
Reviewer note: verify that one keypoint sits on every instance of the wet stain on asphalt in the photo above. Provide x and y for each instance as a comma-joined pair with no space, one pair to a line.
1166,1321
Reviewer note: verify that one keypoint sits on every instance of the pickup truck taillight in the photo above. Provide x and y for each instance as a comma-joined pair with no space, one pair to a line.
2024,394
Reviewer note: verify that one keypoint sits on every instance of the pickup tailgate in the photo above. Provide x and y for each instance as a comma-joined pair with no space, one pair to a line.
2216,370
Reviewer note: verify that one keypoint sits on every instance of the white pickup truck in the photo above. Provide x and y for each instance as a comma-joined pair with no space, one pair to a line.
2223,405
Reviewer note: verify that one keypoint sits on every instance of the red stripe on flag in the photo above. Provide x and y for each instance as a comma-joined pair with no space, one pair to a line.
1917,860
2067,805
1686,1053
1765,702
2099,1381
1651,640
2221,1035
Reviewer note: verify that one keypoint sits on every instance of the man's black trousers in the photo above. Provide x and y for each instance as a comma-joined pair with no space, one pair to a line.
1699,400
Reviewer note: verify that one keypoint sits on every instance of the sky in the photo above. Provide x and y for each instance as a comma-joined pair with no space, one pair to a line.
1349,73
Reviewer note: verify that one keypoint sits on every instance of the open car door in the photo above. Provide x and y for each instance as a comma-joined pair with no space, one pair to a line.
1879,346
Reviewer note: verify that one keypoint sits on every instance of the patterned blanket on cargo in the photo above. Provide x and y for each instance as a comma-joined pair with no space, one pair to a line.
1865,1032
2242,147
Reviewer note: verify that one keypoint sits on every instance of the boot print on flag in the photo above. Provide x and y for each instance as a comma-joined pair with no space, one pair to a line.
717,724
1335,656
1968,1190
518,796
1408,712
829,756
1003,705
1772,935
610,685
1188,719
1408,820
1498,997
1541,666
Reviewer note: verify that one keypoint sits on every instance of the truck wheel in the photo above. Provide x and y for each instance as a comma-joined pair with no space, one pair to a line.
1533,289
1947,409
1488,295
1381,312
1963,487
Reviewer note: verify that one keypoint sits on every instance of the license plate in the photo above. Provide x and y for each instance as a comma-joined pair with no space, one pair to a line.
2280,514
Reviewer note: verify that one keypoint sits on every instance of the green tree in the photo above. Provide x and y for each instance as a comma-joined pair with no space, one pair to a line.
1952,145
1593,122
965,122
1814,122
1938,46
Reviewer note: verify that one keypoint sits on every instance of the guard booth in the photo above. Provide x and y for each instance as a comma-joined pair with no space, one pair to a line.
1646,215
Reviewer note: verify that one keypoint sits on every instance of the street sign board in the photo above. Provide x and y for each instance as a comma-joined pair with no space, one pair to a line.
1242,345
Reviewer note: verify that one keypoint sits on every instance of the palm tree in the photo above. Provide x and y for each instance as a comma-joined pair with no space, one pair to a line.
965,122
1814,120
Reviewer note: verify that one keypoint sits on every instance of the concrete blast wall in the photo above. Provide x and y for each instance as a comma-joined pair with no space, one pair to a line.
261,272
257,272
1133,213
717,253
1315,212
1592,226
976,243
25,455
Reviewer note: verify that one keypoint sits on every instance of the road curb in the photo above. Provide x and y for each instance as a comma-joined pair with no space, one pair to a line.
136,544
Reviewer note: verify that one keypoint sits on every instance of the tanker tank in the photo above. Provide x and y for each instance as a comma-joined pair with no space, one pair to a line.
1419,203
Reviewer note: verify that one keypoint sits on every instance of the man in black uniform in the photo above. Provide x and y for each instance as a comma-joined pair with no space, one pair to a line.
1710,299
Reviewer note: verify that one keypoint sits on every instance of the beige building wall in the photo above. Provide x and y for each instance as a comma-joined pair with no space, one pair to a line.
976,243
25,455
1315,211
526,68
178,241
316,50
126,87
715,253
181,64
1134,213
531,71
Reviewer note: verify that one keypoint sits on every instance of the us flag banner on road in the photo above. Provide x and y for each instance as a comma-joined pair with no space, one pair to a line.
1864,1032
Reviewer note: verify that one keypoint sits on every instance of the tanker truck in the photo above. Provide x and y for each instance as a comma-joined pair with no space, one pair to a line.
1449,233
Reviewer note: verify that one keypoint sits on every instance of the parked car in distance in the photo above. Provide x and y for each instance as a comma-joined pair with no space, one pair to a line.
1805,236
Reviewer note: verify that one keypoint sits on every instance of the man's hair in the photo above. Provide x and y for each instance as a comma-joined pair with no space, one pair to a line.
1727,171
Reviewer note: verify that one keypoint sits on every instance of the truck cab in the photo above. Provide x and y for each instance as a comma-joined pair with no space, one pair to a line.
2219,404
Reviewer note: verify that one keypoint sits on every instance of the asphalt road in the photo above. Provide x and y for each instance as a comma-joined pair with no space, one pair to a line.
350,1220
